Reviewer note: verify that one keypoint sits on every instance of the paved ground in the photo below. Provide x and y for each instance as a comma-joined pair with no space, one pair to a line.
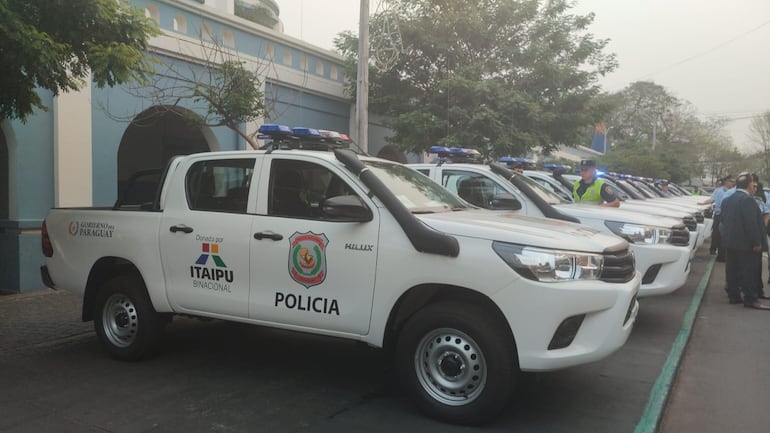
220,377
723,383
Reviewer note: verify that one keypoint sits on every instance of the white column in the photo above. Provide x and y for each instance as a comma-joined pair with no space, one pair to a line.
73,169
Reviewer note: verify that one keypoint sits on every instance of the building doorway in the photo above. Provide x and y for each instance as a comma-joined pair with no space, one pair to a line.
154,137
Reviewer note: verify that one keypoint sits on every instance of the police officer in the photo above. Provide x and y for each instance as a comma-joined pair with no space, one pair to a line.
664,188
725,184
589,189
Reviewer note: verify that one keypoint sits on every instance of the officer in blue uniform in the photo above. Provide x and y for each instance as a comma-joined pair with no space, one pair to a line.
590,189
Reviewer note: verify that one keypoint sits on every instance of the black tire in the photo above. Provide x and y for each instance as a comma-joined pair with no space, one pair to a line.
125,321
457,362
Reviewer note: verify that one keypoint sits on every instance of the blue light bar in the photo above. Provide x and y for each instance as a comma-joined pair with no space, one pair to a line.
463,152
306,132
438,149
268,128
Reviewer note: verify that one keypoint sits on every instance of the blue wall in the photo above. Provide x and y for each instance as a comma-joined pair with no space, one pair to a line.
20,255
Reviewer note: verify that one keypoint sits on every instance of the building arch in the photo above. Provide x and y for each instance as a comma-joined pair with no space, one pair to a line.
8,170
154,137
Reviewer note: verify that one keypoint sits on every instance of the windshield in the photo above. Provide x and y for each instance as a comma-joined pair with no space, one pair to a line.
414,190
618,190
631,190
646,189
546,194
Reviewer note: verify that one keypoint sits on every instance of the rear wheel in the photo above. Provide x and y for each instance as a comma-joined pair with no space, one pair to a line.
125,321
458,362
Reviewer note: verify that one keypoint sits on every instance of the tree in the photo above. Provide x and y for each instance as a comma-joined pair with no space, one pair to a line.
499,76
217,89
646,119
56,44
759,134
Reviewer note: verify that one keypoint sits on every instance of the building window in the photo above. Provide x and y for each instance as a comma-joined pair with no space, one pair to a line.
303,63
206,34
319,67
228,39
287,60
152,12
334,73
180,24
269,52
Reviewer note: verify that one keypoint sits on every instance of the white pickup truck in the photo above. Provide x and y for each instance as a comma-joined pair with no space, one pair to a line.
350,246
660,244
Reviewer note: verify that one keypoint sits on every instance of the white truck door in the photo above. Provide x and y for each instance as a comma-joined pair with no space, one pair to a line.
308,271
205,237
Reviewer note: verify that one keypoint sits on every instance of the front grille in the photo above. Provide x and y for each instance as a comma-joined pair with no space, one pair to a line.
680,236
618,267
699,217
690,223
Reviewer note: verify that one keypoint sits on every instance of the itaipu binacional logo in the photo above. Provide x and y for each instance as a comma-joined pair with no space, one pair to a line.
307,258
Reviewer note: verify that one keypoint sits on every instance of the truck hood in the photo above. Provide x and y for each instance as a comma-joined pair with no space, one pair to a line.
510,227
589,211
650,209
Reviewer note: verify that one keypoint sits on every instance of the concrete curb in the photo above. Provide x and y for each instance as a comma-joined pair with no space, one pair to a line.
659,394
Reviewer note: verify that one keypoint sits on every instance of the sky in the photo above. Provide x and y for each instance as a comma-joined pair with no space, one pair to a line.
713,53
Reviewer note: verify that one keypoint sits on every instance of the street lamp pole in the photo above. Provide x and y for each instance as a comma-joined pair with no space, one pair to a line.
362,84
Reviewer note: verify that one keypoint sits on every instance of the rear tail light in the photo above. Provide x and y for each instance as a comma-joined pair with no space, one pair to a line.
46,242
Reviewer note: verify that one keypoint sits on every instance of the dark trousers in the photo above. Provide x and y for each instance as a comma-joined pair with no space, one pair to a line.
716,238
741,269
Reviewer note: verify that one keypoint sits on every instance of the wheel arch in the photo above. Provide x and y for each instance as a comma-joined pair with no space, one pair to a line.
103,270
422,295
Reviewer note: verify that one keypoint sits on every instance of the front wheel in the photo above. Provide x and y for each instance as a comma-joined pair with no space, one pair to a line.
458,362
125,321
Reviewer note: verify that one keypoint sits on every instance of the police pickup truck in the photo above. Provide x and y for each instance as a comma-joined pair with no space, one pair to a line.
345,245
660,244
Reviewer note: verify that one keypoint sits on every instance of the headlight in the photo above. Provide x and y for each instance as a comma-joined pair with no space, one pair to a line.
639,234
550,266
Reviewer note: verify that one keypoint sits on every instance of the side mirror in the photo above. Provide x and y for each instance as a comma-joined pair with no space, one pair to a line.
346,208
505,201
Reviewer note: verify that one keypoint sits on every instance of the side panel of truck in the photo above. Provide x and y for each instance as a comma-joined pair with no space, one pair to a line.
307,271
205,237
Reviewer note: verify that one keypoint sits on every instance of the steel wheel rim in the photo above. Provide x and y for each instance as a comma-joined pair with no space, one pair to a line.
450,366
120,321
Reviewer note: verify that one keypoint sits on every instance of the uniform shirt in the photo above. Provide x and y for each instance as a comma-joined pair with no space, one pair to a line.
579,189
716,197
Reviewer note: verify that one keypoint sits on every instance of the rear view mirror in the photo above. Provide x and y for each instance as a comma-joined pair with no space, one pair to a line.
348,208
505,201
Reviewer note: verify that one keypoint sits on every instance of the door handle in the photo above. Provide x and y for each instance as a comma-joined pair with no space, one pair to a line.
268,235
181,228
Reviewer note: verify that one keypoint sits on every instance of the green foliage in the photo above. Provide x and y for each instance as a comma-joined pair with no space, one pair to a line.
233,95
499,76
54,44
647,120
759,134
259,14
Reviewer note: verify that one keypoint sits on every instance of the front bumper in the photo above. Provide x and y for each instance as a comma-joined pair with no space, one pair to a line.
536,310
670,263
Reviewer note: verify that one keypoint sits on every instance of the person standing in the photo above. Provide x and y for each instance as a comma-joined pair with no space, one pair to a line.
725,184
742,230
590,189
759,196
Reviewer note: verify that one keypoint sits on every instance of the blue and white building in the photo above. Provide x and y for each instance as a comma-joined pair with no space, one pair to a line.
85,146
